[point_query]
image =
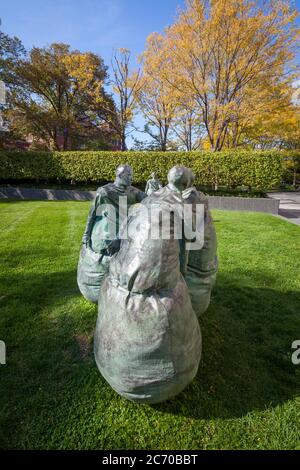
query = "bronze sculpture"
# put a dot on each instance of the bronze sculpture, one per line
(102, 228)
(147, 340)
(153, 184)
(198, 266)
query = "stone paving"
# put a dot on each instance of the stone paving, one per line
(289, 206)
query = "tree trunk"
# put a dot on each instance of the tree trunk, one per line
(66, 138)
(123, 143)
(56, 144)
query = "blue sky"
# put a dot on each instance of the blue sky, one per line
(89, 25)
(99, 26)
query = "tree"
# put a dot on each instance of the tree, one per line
(219, 50)
(11, 50)
(187, 127)
(61, 89)
(145, 145)
(125, 85)
(268, 119)
(156, 98)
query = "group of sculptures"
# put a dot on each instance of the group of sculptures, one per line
(150, 290)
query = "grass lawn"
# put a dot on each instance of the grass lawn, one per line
(247, 392)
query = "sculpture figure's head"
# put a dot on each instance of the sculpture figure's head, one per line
(180, 178)
(124, 176)
(153, 175)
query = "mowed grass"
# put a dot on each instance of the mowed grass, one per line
(247, 391)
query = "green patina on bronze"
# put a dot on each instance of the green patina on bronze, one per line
(202, 269)
(101, 231)
(202, 265)
(153, 184)
(147, 340)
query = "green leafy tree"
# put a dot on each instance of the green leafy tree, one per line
(11, 51)
(61, 97)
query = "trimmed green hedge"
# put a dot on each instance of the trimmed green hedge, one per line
(257, 170)
(291, 174)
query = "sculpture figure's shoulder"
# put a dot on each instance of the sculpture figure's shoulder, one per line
(106, 190)
(133, 189)
(203, 199)
(102, 189)
(202, 196)
(137, 193)
(161, 191)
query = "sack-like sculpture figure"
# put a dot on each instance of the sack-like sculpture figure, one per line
(198, 266)
(202, 265)
(147, 341)
(202, 269)
(101, 230)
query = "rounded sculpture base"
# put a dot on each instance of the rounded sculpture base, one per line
(200, 287)
(147, 347)
(92, 268)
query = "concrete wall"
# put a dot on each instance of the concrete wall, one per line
(253, 204)
(46, 194)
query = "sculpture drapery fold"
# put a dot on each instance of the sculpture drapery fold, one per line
(152, 278)
(102, 229)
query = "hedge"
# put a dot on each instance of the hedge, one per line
(257, 169)
(292, 168)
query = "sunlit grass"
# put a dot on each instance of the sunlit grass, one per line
(247, 392)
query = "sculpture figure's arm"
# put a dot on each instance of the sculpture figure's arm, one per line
(206, 262)
(147, 187)
(140, 195)
(91, 220)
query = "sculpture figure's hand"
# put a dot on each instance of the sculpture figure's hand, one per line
(188, 191)
(113, 247)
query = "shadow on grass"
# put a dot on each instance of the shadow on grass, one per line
(246, 362)
(47, 328)
(246, 358)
